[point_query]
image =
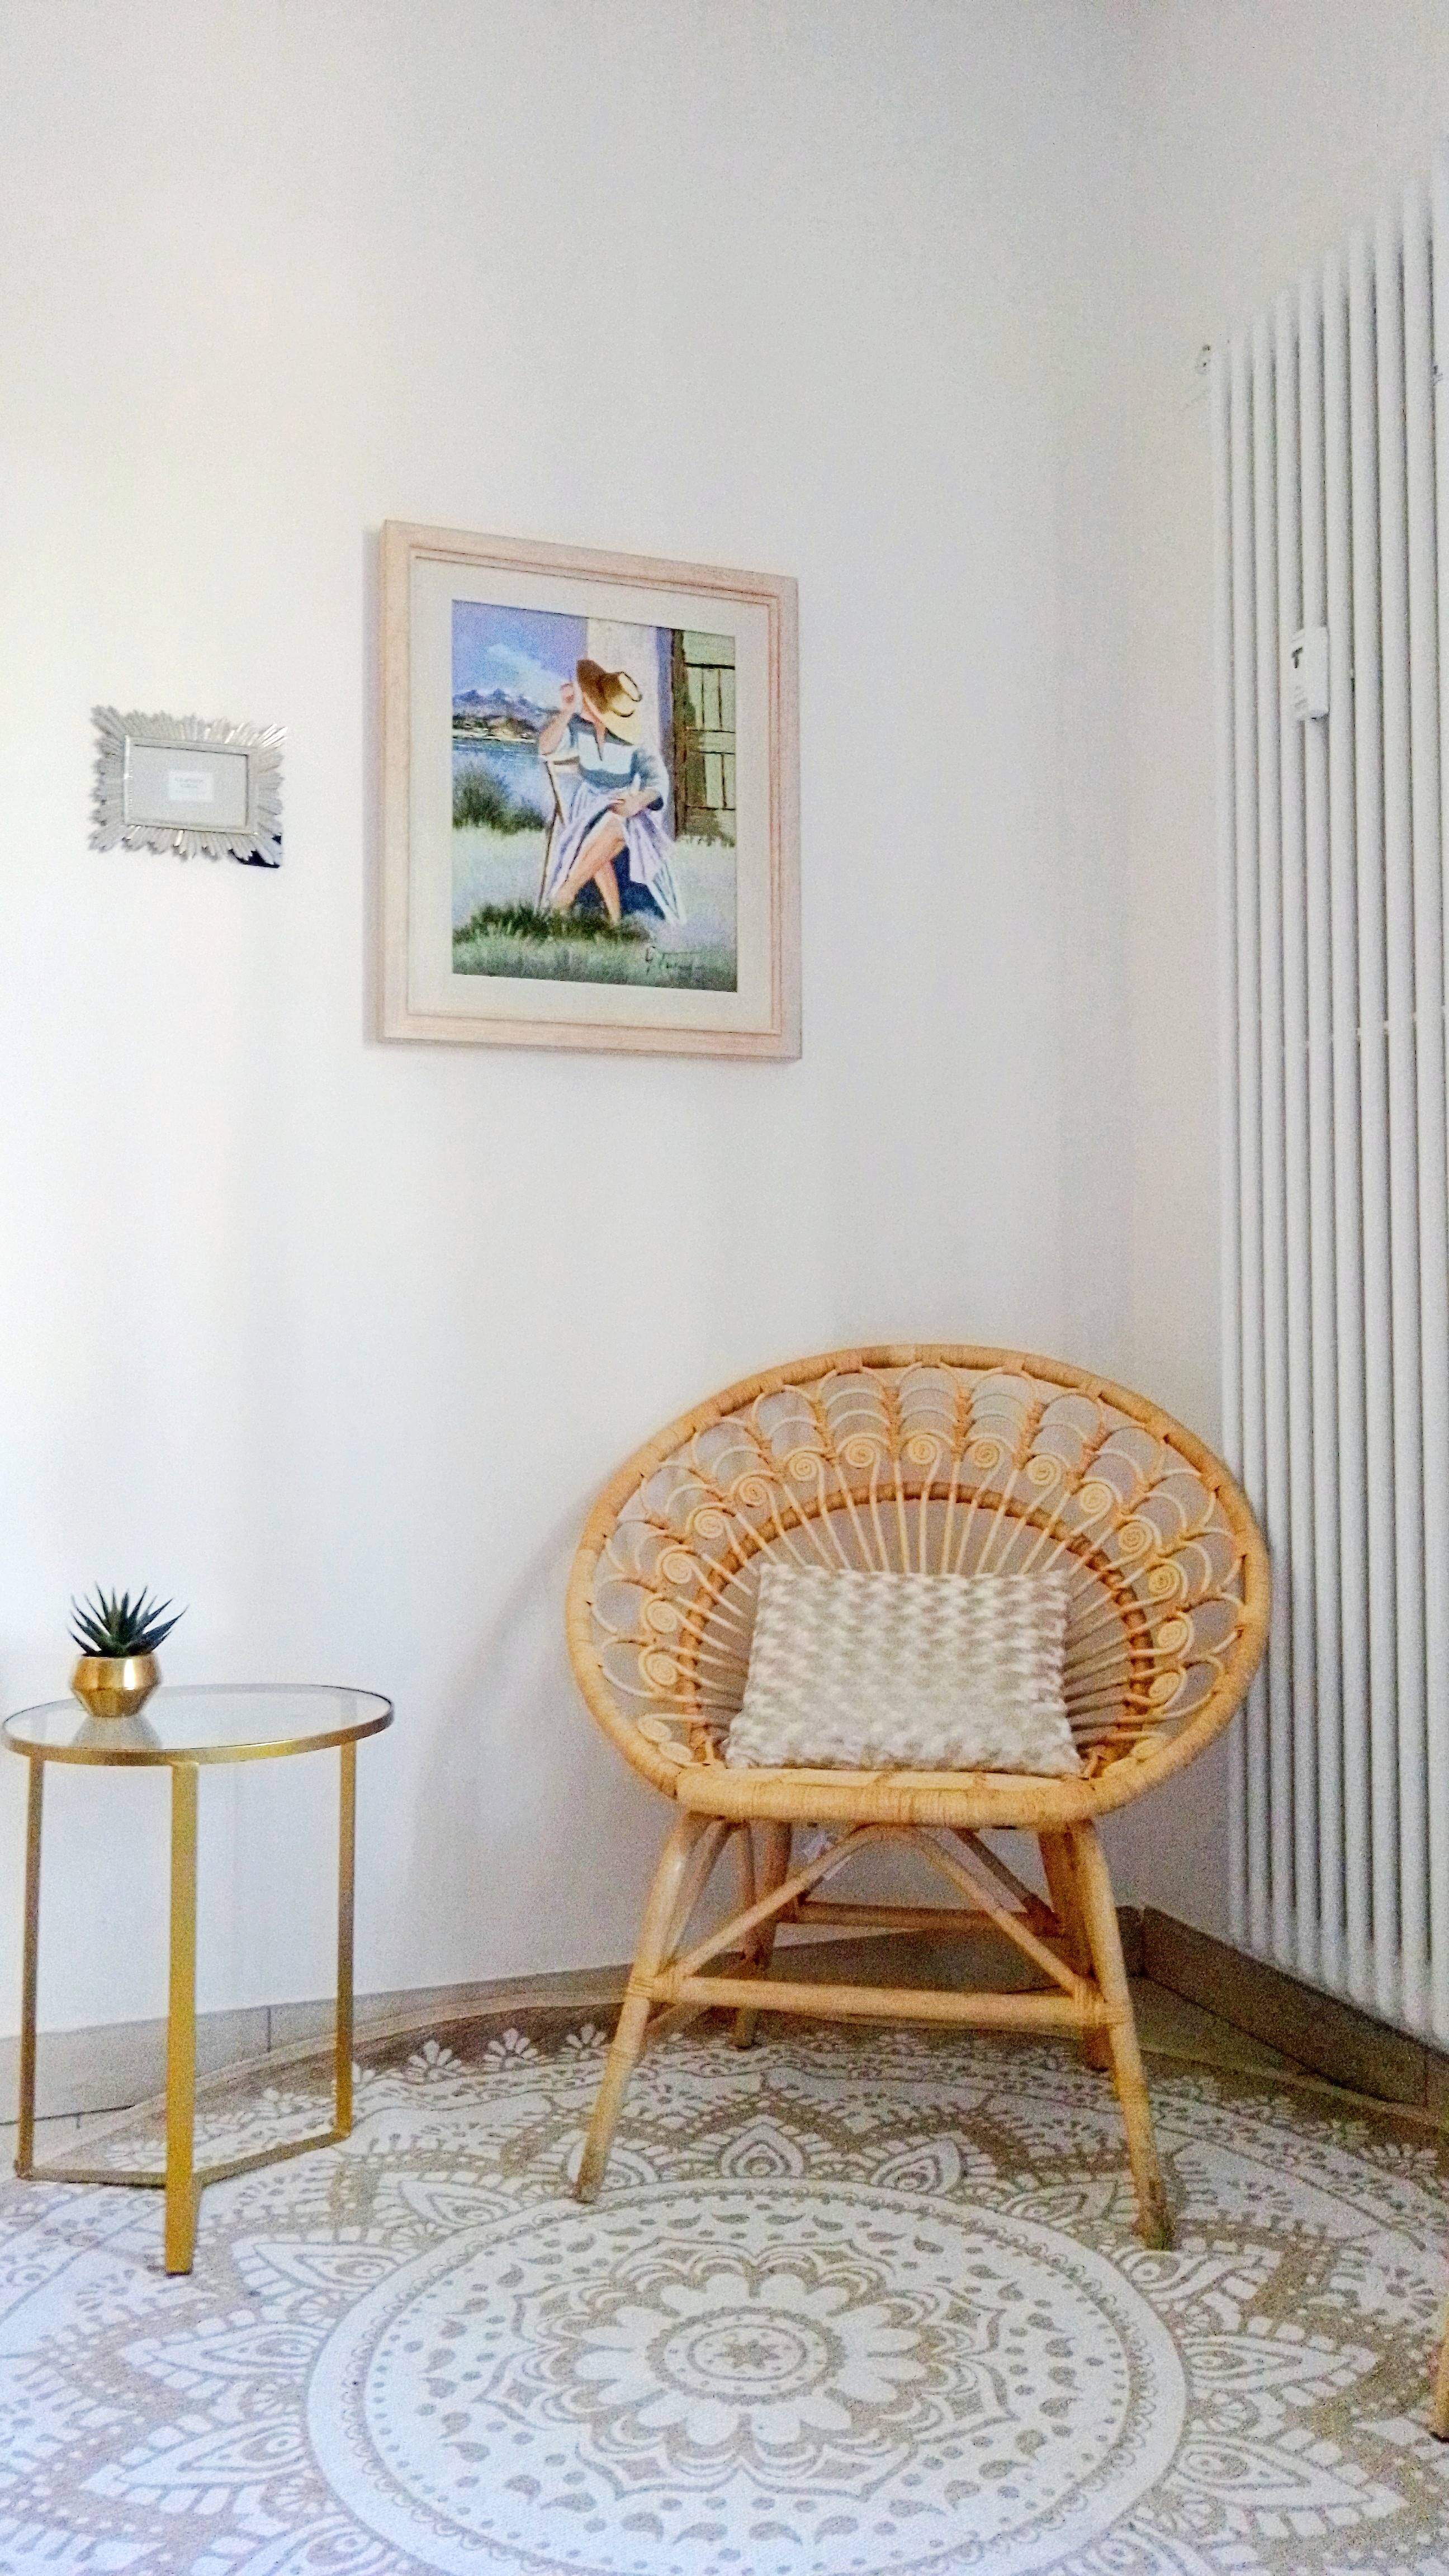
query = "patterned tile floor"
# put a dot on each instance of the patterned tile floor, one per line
(851, 2304)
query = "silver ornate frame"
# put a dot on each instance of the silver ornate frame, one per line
(257, 842)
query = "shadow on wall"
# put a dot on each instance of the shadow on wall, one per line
(520, 1769)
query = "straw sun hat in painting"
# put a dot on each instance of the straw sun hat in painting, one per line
(612, 698)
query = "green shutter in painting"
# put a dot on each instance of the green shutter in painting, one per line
(702, 690)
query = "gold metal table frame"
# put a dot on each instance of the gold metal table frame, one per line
(135, 1743)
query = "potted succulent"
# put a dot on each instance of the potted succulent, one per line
(118, 1638)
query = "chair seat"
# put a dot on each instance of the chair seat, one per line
(971, 1798)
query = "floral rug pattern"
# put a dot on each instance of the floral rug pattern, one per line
(849, 2305)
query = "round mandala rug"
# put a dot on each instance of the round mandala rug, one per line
(849, 2305)
(644, 2385)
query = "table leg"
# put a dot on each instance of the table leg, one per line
(181, 2027)
(25, 2129)
(346, 1881)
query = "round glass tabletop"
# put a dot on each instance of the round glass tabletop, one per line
(223, 1722)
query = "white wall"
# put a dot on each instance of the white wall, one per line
(904, 301)
(1259, 133)
(333, 1339)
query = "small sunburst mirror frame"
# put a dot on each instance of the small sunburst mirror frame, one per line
(194, 785)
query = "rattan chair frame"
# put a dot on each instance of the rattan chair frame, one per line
(912, 1451)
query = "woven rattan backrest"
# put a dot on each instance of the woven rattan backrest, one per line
(934, 1459)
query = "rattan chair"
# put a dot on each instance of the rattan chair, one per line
(926, 1458)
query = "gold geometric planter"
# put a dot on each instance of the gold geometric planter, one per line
(114, 1685)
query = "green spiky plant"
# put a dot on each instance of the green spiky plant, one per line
(117, 1626)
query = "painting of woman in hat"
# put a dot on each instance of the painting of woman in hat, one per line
(613, 835)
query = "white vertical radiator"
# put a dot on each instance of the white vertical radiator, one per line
(1330, 420)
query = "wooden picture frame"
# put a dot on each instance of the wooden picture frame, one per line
(590, 799)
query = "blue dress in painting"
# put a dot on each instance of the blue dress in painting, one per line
(647, 882)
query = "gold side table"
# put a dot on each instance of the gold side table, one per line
(179, 1731)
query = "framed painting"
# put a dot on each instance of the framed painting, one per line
(590, 799)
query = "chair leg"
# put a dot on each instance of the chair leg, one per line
(654, 1936)
(774, 1868)
(1094, 1886)
(1061, 1879)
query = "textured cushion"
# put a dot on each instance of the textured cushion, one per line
(916, 1672)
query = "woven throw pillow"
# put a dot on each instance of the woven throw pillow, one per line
(906, 1672)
